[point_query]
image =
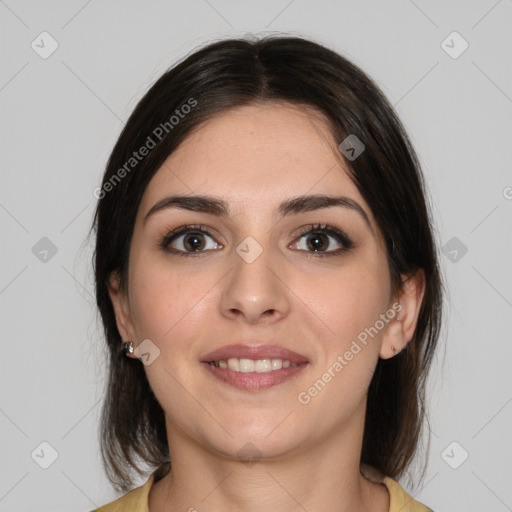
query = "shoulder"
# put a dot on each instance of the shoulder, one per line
(137, 500)
(134, 501)
(400, 500)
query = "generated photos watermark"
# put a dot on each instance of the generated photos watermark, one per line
(304, 397)
(157, 135)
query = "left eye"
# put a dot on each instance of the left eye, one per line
(323, 240)
(192, 241)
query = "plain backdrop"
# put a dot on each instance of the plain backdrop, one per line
(72, 71)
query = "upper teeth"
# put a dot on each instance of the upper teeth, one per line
(251, 365)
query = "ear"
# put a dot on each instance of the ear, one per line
(121, 307)
(400, 330)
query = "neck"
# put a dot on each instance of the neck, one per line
(323, 476)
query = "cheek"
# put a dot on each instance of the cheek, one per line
(348, 299)
(350, 304)
(169, 307)
(165, 300)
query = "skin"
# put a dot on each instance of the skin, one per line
(254, 157)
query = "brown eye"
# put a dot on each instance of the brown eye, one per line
(189, 240)
(323, 240)
(318, 242)
(194, 242)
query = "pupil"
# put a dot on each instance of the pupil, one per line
(193, 242)
(316, 242)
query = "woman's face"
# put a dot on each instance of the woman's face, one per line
(251, 276)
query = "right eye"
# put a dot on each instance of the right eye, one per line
(187, 240)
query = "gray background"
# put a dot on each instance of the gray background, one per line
(59, 118)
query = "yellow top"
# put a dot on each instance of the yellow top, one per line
(137, 499)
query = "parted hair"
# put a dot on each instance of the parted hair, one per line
(224, 75)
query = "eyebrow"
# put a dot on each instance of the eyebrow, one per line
(293, 206)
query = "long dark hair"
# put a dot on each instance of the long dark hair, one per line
(224, 75)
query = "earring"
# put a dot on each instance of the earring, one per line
(128, 347)
(398, 316)
(395, 351)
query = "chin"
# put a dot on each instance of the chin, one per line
(254, 436)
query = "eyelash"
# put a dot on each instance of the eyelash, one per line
(325, 229)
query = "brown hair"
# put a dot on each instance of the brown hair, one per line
(225, 75)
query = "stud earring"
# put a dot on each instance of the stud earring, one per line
(128, 347)
(395, 351)
(398, 316)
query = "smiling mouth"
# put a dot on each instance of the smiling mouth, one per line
(244, 365)
(253, 374)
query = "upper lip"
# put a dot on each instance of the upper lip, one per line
(254, 352)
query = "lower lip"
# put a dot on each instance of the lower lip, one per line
(254, 381)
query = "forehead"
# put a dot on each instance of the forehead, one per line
(254, 156)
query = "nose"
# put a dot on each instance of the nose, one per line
(253, 291)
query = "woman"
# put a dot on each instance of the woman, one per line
(269, 287)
